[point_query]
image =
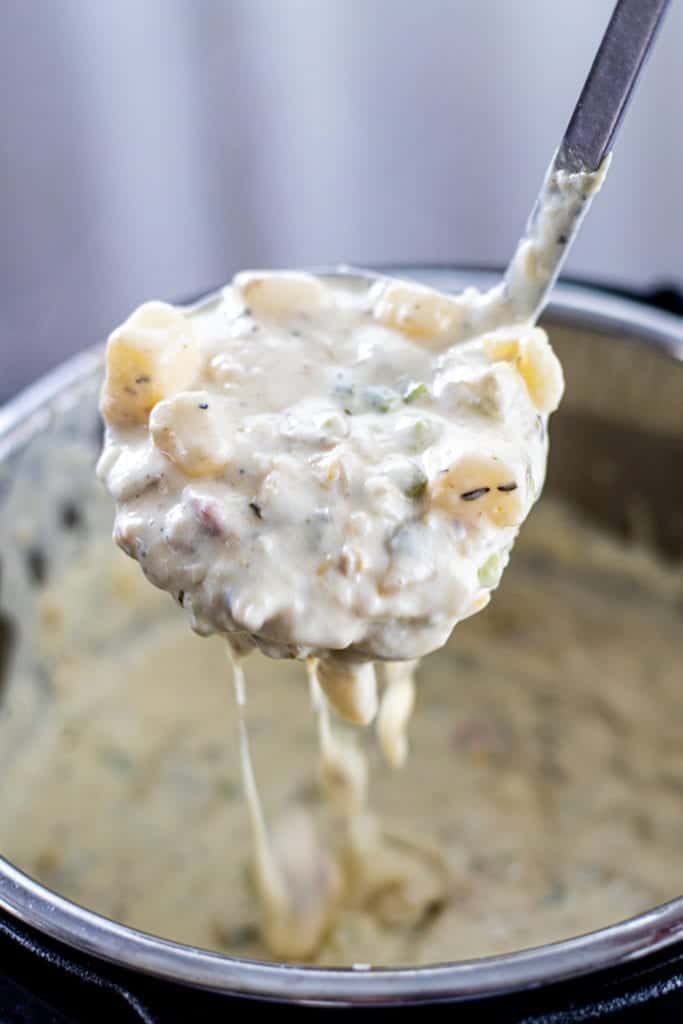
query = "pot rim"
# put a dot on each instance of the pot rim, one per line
(37, 906)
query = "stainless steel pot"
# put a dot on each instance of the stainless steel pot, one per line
(623, 400)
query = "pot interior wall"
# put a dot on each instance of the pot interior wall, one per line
(616, 452)
(617, 441)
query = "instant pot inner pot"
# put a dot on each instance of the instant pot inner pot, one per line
(545, 750)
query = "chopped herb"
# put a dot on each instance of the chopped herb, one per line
(70, 516)
(412, 390)
(228, 789)
(423, 435)
(203, 405)
(417, 485)
(240, 935)
(557, 893)
(491, 571)
(381, 399)
(348, 412)
(118, 760)
(506, 488)
(256, 509)
(478, 492)
(36, 563)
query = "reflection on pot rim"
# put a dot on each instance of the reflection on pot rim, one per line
(35, 905)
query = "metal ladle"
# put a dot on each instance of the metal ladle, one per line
(572, 179)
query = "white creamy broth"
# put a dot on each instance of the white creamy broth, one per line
(317, 470)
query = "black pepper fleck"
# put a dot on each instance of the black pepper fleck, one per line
(36, 564)
(478, 492)
(203, 405)
(561, 239)
(506, 488)
(145, 379)
(8, 638)
(181, 597)
(70, 516)
(256, 509)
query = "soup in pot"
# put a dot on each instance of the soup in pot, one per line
(541, 800)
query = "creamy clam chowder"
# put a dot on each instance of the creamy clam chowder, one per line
(332, 472)
(313, 470)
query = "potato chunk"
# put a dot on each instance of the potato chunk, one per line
(350, 687)
(189, 430)
(537, 364)
(419, 312)
(282, 294)
(149, 357)
(481, 486)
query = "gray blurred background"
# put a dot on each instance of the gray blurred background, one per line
(150, 148)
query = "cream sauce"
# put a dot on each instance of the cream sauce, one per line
(312, 475)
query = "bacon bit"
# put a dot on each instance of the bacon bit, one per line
(36, 564)
(208, 513)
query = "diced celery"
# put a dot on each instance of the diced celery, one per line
(412, 390)
(491, 571)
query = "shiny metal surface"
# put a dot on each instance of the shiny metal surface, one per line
(590, 135)
(604, 98)
(32, 903)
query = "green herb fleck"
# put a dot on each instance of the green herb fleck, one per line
(412, 390)
(423, 435)
(417, 485)
(557, 893)
(491, 571)
(118, 760)
(228, 789)
(381, 399)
